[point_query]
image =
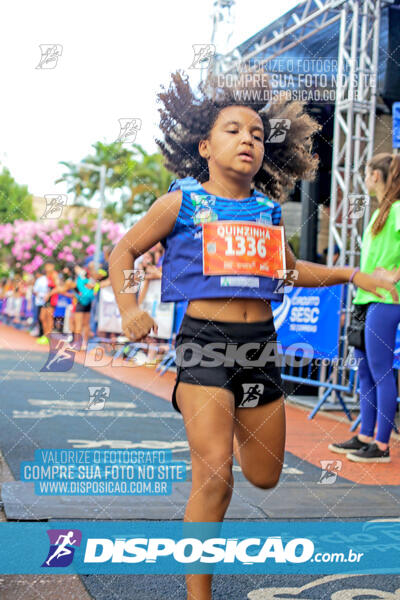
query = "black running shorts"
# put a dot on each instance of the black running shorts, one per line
(83, 308)
(240, 357)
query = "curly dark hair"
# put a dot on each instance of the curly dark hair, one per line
(187, 119)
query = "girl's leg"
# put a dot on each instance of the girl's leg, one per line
(208, 414)
(47, 320)
(260, 442)
(71, 323)
(368, 400)
(85, 328)
(42, 319)
(51, 319)
(380, 336)
(78, 319)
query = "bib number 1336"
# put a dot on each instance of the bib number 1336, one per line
(241, 247)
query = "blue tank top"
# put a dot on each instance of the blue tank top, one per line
(182, 269)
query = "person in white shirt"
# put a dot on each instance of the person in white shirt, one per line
(39, 292)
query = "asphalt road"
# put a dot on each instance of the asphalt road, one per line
(50, 410)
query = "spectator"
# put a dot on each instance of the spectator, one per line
(151, 264)
(65, 297)
(46, 314)
(85, 286)
(102, 278)
(39, 293)
(380, 255)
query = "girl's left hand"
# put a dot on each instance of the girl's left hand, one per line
(371, 283)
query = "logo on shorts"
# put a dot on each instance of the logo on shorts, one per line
(252, 393)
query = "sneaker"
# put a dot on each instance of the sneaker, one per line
(42, 340)
(153, 362)
(370, 454)
(140, 358)
(349, 446)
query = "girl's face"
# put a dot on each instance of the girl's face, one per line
(236, 142)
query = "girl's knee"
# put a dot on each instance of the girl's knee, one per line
(266, 484)
(264, 481)
(213, 477)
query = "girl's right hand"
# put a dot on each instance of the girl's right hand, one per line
(137, 323)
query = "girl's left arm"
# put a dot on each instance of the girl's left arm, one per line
(302, 273)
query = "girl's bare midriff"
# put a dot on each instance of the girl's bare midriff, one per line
(240, 310)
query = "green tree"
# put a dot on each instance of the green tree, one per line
(148, 180)
(15, 200)
(85, 183)
(140, 178)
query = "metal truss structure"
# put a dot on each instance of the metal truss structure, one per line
(353, 141)
(292, 31)
(355, 108)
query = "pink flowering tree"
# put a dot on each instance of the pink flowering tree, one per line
(26, 245)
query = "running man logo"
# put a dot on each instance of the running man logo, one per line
(330, 470)
(50, 54)
(252, 393)
(202, 54)
(286, 277)
(128, 130)
(279, 129)
(133, 279)
(61, 353)
(97, 397)
(62, 547)
(54, 206)
(357, 205)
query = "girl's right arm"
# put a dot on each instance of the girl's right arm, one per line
(156, 224)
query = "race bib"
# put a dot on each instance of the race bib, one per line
(243, 247)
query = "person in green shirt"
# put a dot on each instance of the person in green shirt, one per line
(380, 254)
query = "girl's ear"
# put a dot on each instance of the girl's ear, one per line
(377, 175)
(203, 149)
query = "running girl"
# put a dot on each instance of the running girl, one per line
(219, 143)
